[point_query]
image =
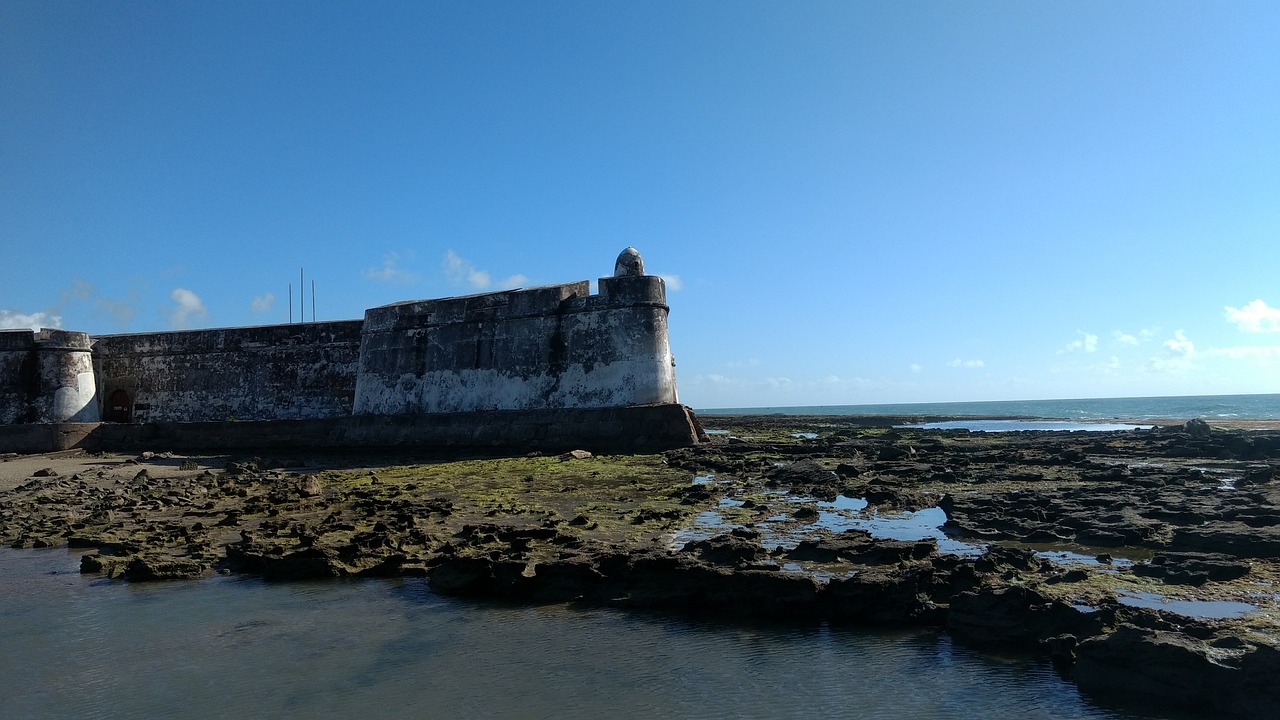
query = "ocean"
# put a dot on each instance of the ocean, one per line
(1205, 407)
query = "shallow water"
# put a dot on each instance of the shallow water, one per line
(1189, 608)
(845, 513)
(1021, 425)
(75, 647)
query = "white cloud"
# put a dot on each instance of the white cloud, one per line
(513, 282)
(1256, 317)
(189, 305)
(390, 271)
(1179, 355)
(14, 320)
(461, 271)
(916, 367)
(674, 283)
(1088, 342)
(966, 363)
(1180, 345)
(750, 362)
(1125, 338)
(263, 303)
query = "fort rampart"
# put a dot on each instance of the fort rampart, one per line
(489, 370)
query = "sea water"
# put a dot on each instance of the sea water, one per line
(73, 646)
(1206, 407)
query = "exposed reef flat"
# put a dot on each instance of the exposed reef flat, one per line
(1144, 563)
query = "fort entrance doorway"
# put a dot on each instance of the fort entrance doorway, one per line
(120, 407)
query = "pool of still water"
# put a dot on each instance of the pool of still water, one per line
(233, 647)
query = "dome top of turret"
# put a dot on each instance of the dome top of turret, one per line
(629, 263)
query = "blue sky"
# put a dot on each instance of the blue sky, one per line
(852, 202)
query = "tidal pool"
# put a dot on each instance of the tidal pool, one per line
(1205, 609)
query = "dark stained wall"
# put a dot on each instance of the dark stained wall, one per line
(273, 372)
(19, 377)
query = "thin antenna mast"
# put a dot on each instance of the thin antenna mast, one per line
(302, 303)
(290, 303)
(313, 300)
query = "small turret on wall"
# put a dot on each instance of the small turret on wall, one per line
(69, 392)
(47, 377)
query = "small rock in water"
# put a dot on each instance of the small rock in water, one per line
(45, 472)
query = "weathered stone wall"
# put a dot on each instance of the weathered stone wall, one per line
(67, 388)
(46, 377)
(274, 372)
(547, 347)
(630, 429)
(19, 377)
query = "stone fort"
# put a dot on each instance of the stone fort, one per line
(542, 368)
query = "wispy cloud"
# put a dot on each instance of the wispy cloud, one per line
(1180, 345)
(1178, 356)
(1256, 317)
(1087, 342)
(188, 306)
(674, 283)
(263, 303)
(16, 319)
(1132, 339)
(390, 271)
(959, 363)
(462, 271)
(1125, 338)
(917, 367)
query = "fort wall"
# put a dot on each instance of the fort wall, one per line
(534, 367)
(548, 347)
(272, 372)
(19, 377)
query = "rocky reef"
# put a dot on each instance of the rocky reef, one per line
(1143, 563)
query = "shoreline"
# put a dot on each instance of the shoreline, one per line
(1044, 542)
(889, 420)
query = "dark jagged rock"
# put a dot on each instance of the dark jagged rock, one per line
(1186, 568)
(886, 598)
(857, 546)
(1015, 616)
(806, 477)
(1167, 669)
(732, 549)
(1229, 538)
(149, 568)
